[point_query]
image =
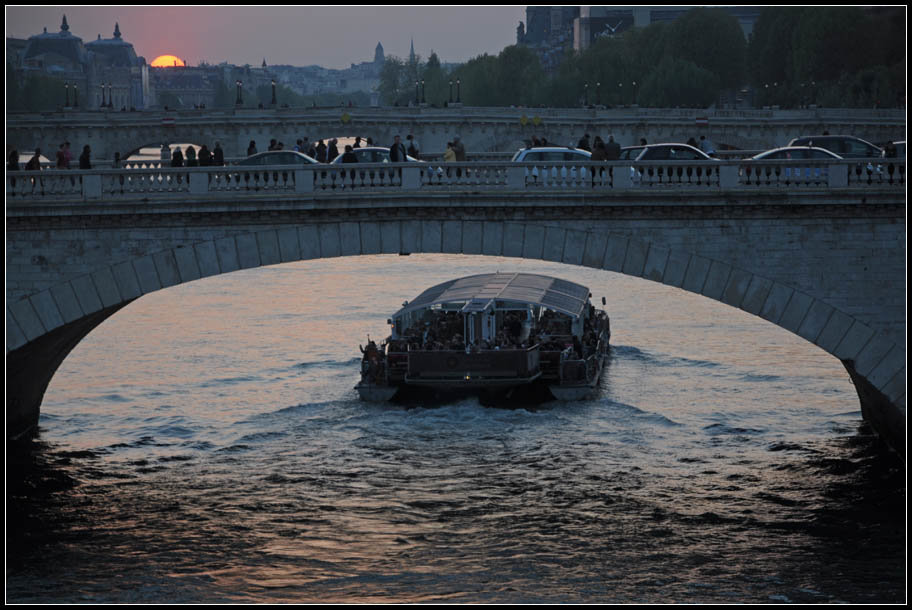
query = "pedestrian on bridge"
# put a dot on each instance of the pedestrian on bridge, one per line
(251, 148)
(191, 157)
(85, 160)
(218, 155)
(612, 149)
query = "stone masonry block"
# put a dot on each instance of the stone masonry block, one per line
(268, 246)
(67, 302)
(15, 338)
(493, 238)
(390, 237)
(127, 282)
(46, 308)
(654, 269)
(676, 269)
(247, 250)
(431, 236)
(833, 331)
(795, 312)
(615, 253)
(594, 252)
(533, 242)
(186, 263)
(350, 235)
(87, 294)
(892, 363)
(289, 248)
(472, 232)
(635, 261)
(309, 241)
(514, 236)
(410, 234)
(853, 341)
(574, 244)
(207, 258)
(815, 320)
(226, 250)
(107, 287)
(697, 271)
(451, 238)
(736, 287)
(329, 240)
(26, 319)
(553, 247)
(776, 300)
(716, 280)
(370, 238)
(757, 293)
(872, 354)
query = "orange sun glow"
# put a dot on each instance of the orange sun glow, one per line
(167, 61)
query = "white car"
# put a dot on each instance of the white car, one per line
(799, 154)
(558, 158)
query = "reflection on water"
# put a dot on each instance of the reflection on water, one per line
(205, 444)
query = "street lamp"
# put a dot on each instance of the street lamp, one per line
(451, 91)
(417, 99)
(110, 96)
(103, 104)
(422, 91)
(585, 94)
(66, 88)
(75, 95)
(238, 101)
(457, 91)
(621, 93)
(598, 94)
(634, 92)
(273, 93)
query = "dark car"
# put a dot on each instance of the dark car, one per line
(847, 147)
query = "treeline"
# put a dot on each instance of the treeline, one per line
(829, 56)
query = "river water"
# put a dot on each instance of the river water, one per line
(205, 444)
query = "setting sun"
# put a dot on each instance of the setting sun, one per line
(167, 61)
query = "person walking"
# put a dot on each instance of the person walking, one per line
(397, 151)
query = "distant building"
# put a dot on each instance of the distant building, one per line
(549, 32)
(104, 72)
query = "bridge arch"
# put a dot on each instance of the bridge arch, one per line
(44, 327)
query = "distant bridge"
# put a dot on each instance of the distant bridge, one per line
(481, 129)
(819, 251)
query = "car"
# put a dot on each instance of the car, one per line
(279, 157)
(629, 153)
(847, 147)
(373, 154)
(798, 170)
(672, 152)
(554, 156)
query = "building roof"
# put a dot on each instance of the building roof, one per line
(115, 51)
(477, 291)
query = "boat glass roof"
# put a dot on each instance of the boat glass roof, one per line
(557, 294)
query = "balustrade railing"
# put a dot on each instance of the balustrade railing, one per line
(702, 176)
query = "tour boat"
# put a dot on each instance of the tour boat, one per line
(493, 334)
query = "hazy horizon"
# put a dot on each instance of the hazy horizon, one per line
(329, 36)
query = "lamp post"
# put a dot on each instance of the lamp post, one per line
(451, 91)
(110, 96)
(598, 94)
(238, 101)
(273, 93)
(103, 104)
(422, 92)
(457, 91)
(75, 95)
(621, 93)
(634, 92)
(417, 99)
(585, 94)
(66, 88)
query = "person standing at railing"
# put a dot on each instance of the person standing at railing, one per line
(459, 149)
(85, 159)
(191, 157)
(218, 155)
(34, 164)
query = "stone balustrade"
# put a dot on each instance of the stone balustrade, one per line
(752, 175)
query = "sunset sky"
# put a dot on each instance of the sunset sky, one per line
(329, 36)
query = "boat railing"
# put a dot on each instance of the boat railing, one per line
(522, 362)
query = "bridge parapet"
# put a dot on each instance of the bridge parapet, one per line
(756, 176)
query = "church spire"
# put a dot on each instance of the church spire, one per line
(412, 52)
(117, 31)
(63, 26)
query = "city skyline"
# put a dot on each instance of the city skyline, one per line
(298, 36)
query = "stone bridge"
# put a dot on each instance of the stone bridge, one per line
(481, 129)
(820, 253)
